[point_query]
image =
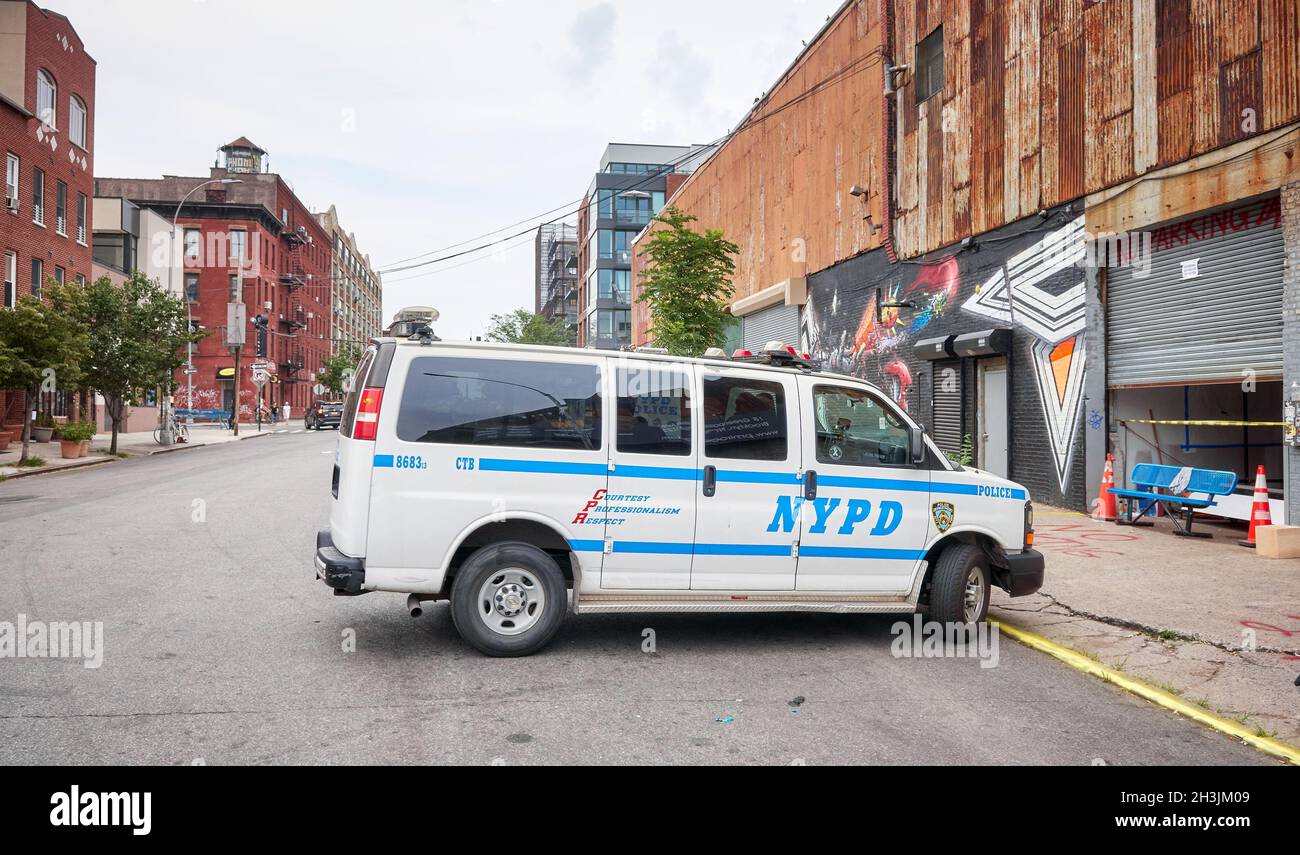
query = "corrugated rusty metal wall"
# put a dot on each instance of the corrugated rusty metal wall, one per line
(1043, 102)
(780, 189)
(1047, 100)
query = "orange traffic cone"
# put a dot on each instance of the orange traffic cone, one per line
(1106, 509)
(1259, 513)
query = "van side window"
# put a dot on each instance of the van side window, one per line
(354, 393)
(465, 401)
(854, 429)
(654, 410)
(744, 419)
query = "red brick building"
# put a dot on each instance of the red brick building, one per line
(255, 239)
(47, 125)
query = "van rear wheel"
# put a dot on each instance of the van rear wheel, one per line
(959, 588)
(508, 599)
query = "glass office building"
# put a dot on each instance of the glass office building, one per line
(631, 187)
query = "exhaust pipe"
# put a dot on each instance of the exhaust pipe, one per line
(413, 605)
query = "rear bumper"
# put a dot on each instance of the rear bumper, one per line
(1023, 573)
(343, 573)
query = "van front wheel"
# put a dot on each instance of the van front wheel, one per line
(959, 588)
(508, 599)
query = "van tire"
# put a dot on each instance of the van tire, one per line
(510, 566)
(959, 565)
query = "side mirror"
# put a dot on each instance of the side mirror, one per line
(918, 445)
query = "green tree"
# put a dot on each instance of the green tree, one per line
(687, 284)
(136, 333)
(43, 344)
(524, 327)
(335, 371)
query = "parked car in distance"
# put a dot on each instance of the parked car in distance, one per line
(323, 414)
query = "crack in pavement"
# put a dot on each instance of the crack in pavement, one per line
(1124, 623)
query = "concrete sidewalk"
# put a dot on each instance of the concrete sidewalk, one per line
(139, 444)
(1205, 619)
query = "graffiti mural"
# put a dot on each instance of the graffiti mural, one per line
(881, 334)
(1014, 296)
(1027, 277)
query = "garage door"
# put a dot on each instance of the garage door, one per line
(779, 322)
(1211, 307)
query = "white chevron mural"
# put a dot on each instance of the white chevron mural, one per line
(1013, 296)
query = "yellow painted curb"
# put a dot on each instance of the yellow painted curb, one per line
(1077, 660)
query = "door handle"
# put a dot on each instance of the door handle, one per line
(810, 485)
(710, 480)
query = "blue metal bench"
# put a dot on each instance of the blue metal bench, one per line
(1182, 482)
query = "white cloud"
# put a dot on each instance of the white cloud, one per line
(427, 123)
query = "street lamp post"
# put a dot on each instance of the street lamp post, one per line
(166, 432)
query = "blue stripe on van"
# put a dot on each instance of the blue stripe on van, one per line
(746, 477)
(860, 552)
(974, 489)
(666, 473)
(686, 473)
(643, 547)
(777, 550)
(651, 547)
(900, 485)
(544, 467)
(383, 461)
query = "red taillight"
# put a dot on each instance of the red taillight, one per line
(367, 422)
(739, 353)
(807, 357)
(789, 348)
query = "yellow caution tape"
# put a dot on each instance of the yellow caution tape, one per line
(1078, 661)
(1200, 423)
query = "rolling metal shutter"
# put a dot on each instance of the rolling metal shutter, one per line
(945, 402)
(1169, 330)
(779, 322)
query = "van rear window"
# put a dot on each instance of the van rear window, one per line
(498, 402)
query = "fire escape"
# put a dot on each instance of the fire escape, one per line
(293, 276)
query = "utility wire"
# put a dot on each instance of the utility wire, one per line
(868, 60)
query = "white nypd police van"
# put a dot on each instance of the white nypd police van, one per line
(520, 481)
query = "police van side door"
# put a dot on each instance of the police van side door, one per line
(649, 509)
(867, 514)
(747, 518)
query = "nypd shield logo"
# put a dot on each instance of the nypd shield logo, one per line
(944, 514)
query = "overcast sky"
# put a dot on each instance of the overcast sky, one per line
(428, 123)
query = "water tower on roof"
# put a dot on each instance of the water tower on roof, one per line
(242, 156)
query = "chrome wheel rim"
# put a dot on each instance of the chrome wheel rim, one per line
(975, 593)
(511, 601)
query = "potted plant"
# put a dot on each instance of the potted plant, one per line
(5, 436)
(73, 438)
(43, 428)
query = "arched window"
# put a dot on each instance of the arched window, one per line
(77, 121)
(46, 92)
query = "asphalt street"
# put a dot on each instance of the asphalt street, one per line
(220, 647)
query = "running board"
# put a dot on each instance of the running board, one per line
(607, 602)
(699, 603)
